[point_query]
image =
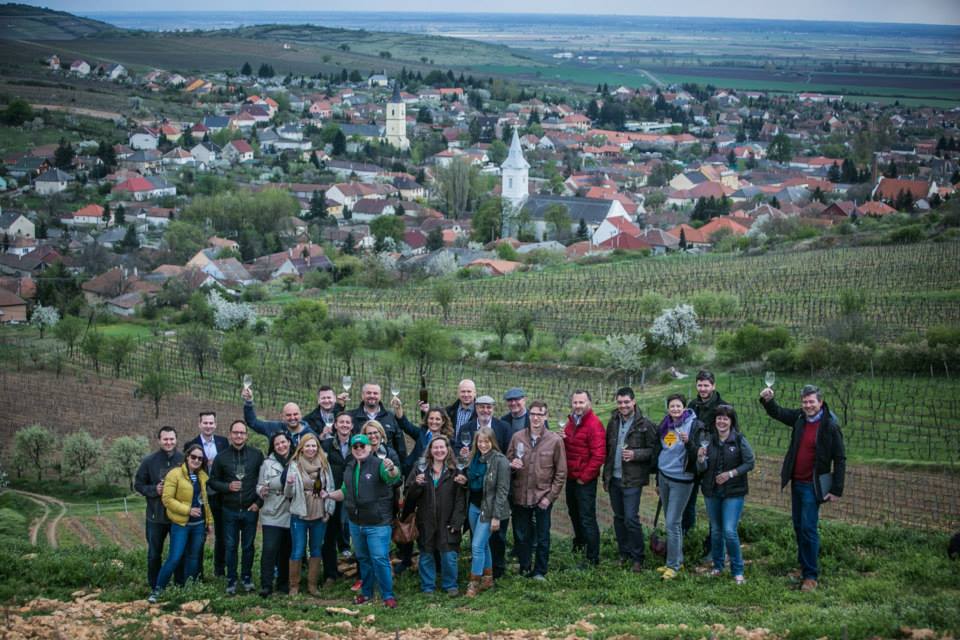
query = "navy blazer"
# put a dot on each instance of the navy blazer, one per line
(220, 442)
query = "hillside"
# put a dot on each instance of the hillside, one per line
(23, 22)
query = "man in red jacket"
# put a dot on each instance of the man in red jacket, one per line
(585, 446)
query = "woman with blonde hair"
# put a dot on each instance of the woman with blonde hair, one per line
(309, 478)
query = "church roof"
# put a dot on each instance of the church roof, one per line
(515, 159)
(396, 93)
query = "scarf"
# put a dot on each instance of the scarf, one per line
(312, 472)
(668, 423)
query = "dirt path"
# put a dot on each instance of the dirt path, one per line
(49, 504)
(80, 111)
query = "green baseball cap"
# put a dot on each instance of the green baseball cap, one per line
(359, 438)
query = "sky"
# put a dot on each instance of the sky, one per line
(912, 11)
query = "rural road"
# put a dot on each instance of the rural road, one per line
(48, 505)
(652, 77)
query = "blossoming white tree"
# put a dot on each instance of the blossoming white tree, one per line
(231, 315)
(44, 317)
(675, 328)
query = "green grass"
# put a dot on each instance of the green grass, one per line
(874, 580)
(127, 329)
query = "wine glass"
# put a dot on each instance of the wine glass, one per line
(520, 450)
(347, 382)
(769, 378)
(241, 474)
(247, 381)
(395, 390)
(465, 441)
(421, 465)
(461, 463)
(382, 452)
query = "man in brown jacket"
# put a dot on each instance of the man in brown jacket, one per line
(539, 467)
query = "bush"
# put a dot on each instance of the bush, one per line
(945, 335)
(254, 293)
(750, 342)
(317, 280)
(505, 251)
(906, 235)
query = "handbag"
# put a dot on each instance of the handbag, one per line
(658, 541)
(405, 529)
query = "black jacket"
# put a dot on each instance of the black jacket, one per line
(441, 510)
(153, 469)
(337, 461)
(393, 427)
(369, 503)
(501, 430)
(315, 418)
(225, 469)
(452, 413)
(706, 409)
(830, 454)
(735, 453)
(643, 439)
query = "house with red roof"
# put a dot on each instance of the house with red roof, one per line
(13, 308)
(626, 242)
(874, 208)
(736, 226)
(495, 267)
(889, 189)
(140, 188)
(92, 214)
(693, 237)
(614, 226)
(238, 151)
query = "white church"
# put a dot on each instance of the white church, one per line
(515, 190)
(396, 130)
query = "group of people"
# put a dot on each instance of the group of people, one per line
(342, 483)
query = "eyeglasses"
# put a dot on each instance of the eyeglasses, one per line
(537, 415)
(198, 458)
(359, 446)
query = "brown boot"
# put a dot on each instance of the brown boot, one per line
(486, 581)
(474, 587)
(295, 577)
(313, 575)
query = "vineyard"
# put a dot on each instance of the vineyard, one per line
(907, 289)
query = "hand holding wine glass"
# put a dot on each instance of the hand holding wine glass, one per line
(347, 382)
(769, 378)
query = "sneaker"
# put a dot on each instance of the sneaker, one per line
(356, 586)
(669, 574)
(231, 589)
(716, 572)
(248, 586)
(360, 599)
(453, 592)
(390, 603)
(662, 569)
(739, 579)
(153, 597)
(808, 585)
(539, 577)
(637, 567)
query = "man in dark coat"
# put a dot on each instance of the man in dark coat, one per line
(815, 466)
(213, 445)
(149, 483)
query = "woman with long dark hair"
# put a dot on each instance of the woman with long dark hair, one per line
(275, 517)
(440, 502)
(724, 464)
(488, 483)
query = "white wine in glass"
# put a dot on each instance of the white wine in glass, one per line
(347, 382)
(395, 390)
(247, 381)
(520, 450)
(769, 378)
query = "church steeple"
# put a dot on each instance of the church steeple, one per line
(396, 93)
(514, 173)
(396, 129)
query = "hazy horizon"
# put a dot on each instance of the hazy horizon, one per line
(926, 12)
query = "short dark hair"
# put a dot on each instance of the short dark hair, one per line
(325, 387)
(245, 428)
(188, 449)
(584, 392)
(728, 411)
(537, 404)
(273, 438)
(209, 413)
(810, 390)
(625, 391)
(676, 396)
(165, 427)
(706, 374)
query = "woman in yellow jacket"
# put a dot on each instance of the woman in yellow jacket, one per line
(184, 490)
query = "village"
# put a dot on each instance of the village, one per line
(442, 174)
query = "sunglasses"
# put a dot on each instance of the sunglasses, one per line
(359, 446)
(199, 458)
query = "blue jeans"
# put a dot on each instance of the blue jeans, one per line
(689, 520)
(239, 528)
(156, 533)
(299, 531)
(806, 516)
(625, 503)
(428, 571)
(186, 544)
(582, 507)
(481, 554)
(674, 496)
(372, 548)
(724, 517)
(532, 526)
